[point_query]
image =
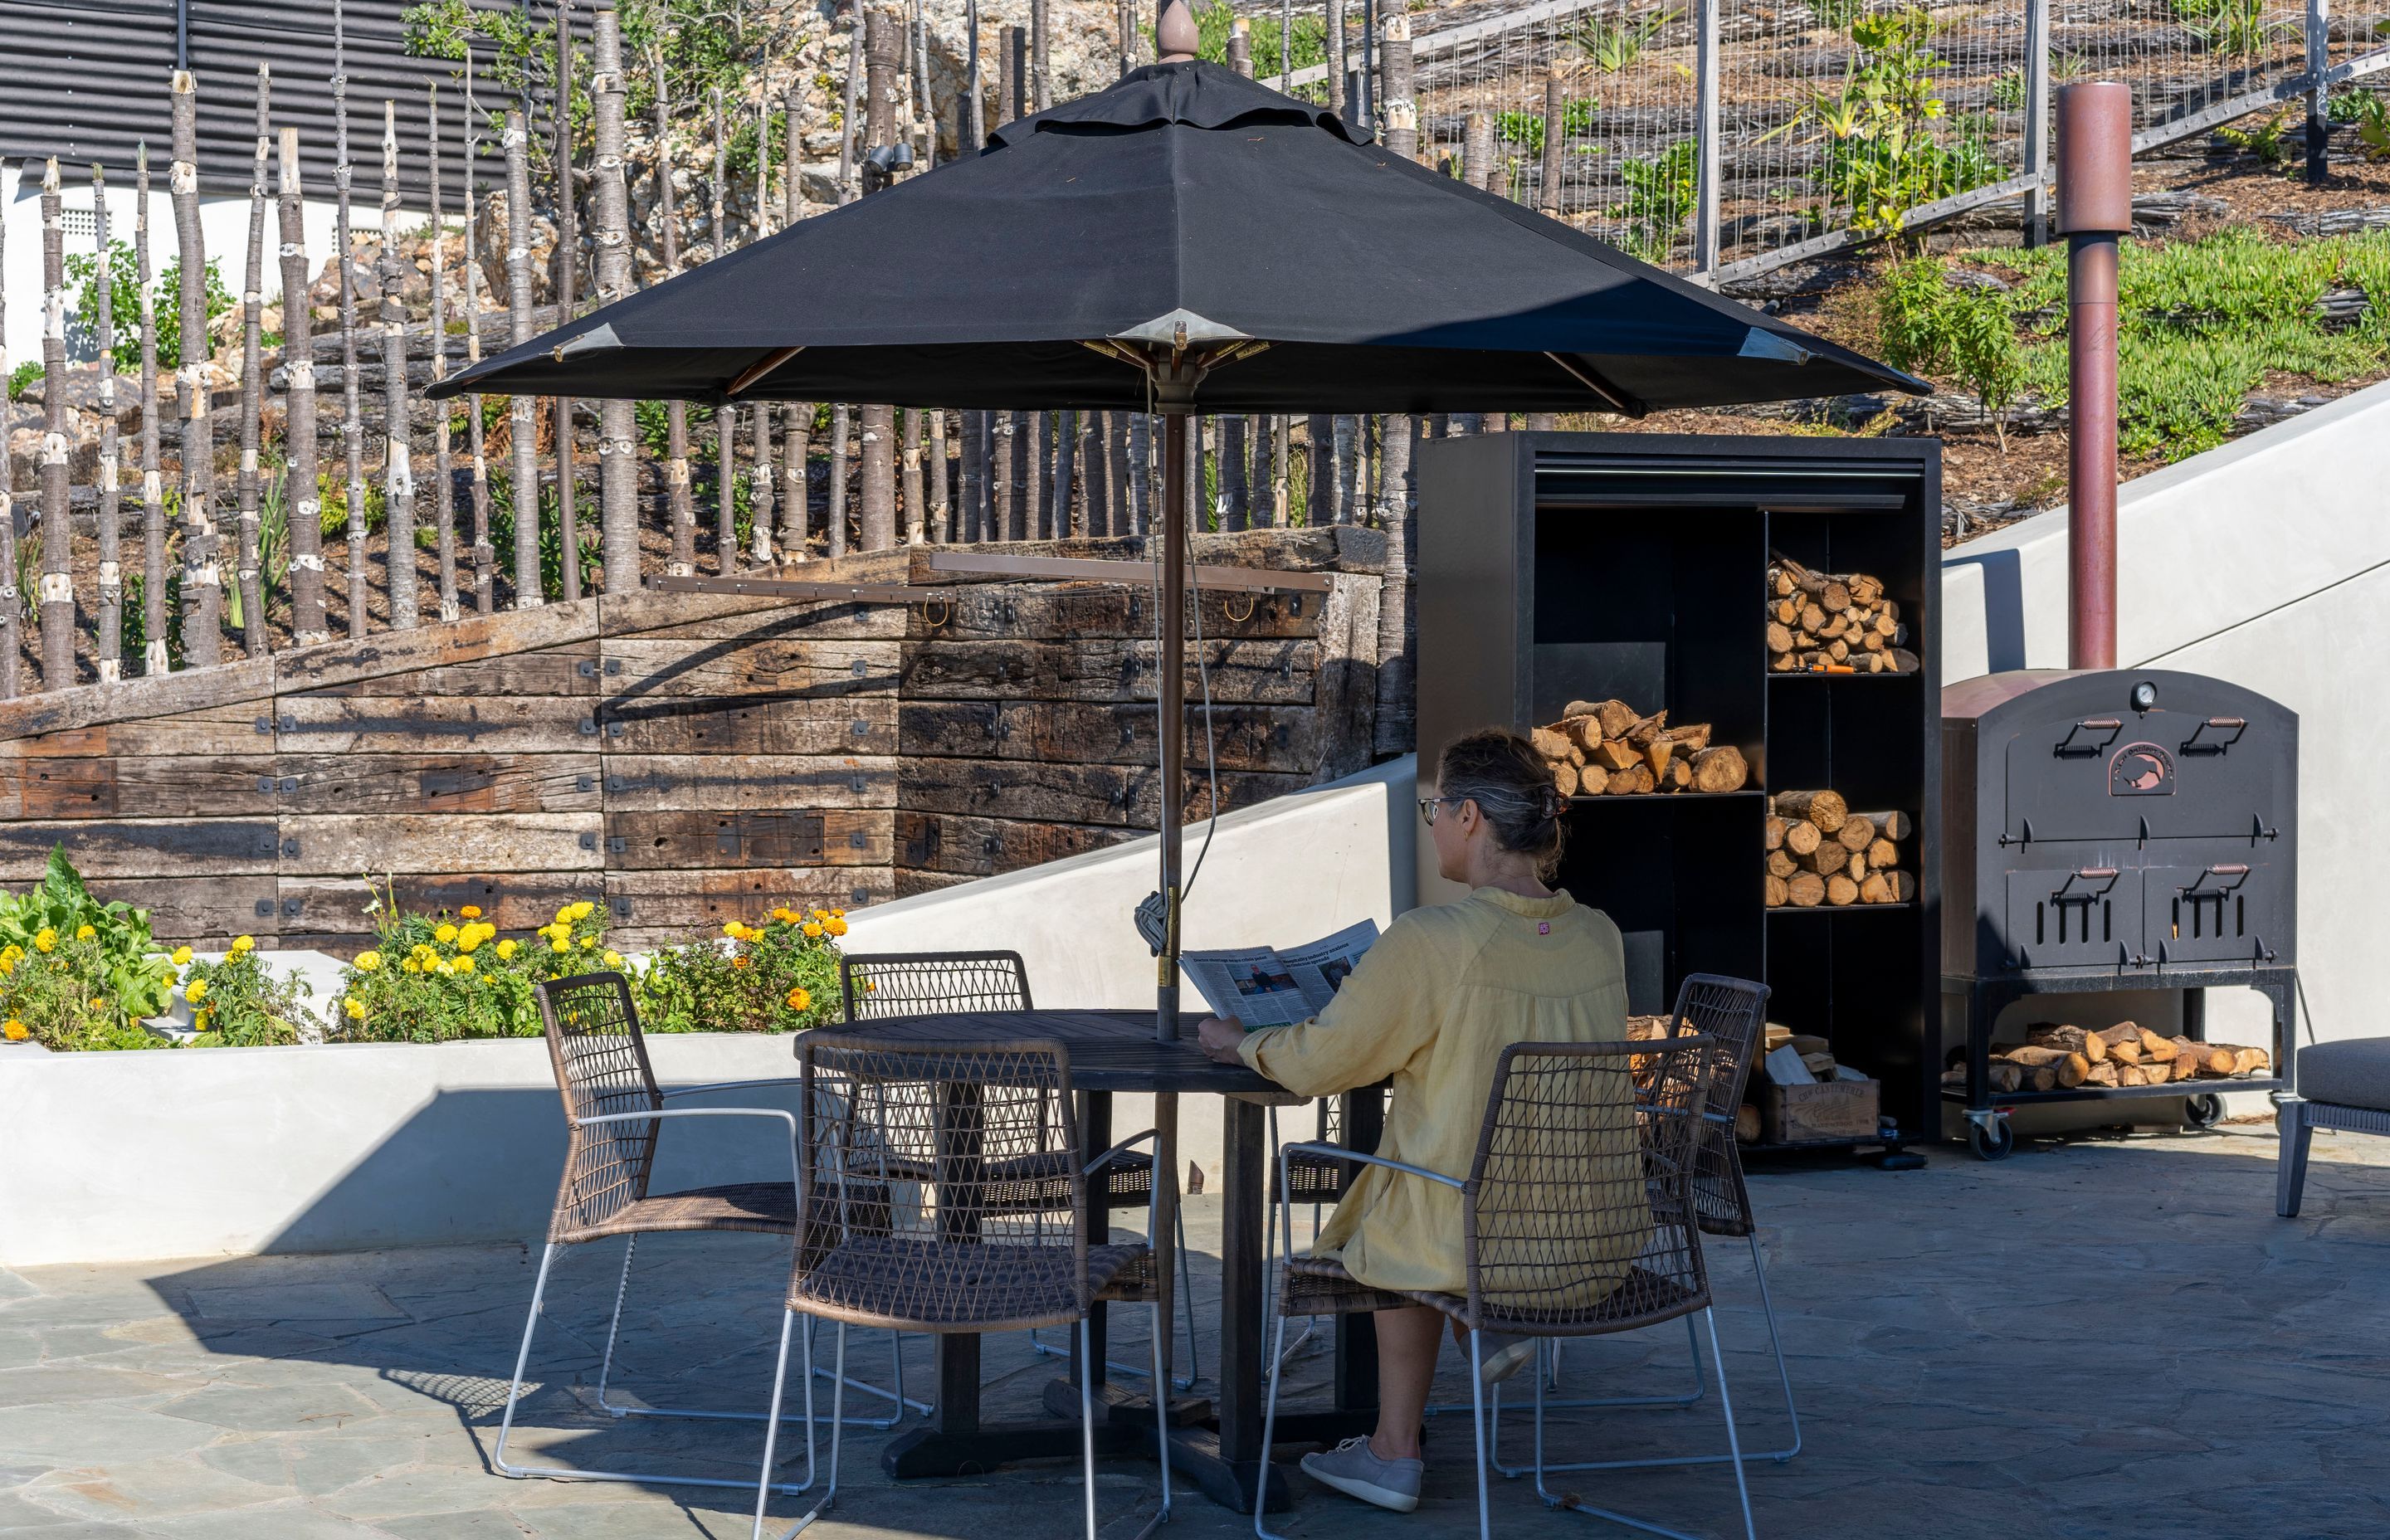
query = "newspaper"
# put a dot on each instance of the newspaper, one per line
(1263, 987)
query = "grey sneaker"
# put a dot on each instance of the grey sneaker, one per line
(1504, 1356)
(1353, 1470)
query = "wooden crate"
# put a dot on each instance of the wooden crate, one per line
(1832, 1112)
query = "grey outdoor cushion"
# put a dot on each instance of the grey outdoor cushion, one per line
(2353, 1073)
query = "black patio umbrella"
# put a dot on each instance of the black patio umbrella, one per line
(1184, 241)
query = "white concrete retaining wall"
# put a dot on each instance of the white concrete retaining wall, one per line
(2266, 562)
(109, 1157)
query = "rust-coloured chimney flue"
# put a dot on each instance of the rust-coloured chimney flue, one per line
(2095, 206)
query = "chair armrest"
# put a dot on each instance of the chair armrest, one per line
(1339, 1153)
(1122, 1147)
(671, 1091)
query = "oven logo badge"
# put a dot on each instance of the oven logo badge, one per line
(2141, 770)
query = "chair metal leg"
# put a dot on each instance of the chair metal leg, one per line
(1137, 1371)
(836, 1425)
(1477, 1426)
(1269, 1431)
(498, 1461)
(1552, 1376)
(1578, 1504)
(1783, 1379)
(902, 1403)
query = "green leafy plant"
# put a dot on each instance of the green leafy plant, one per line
(1611, 46)
(124, 302)
(1927, 326)
(1837, 13)
(2234, 28)
(778, 976)
(1882, 158)
(22, 377)
(1527, 128)
(239, 1002)
(1213, 23)
(2266, 138)
(76, 972)
(1660, 197)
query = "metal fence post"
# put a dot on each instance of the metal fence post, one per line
(2318, 109)
(2036, 121)
(1705, 138)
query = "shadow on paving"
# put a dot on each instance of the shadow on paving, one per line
(2086, 1341)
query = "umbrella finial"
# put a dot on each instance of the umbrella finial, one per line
(1176, 33)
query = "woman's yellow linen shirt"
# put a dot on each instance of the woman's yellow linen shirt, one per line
(1432, 1005)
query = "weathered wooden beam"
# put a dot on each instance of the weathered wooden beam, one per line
(1090, 570)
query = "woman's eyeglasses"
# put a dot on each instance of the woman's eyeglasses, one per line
(1429, 804)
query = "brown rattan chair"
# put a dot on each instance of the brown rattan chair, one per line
(1578, 1220)
(1734, 1012)
(954, 1249)
(613, 1111)
(875, 987)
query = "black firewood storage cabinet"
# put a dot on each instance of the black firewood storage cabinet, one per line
(1554, 567)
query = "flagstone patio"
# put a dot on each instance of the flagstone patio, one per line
(2086, 1340)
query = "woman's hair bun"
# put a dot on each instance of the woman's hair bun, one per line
(1511, 786)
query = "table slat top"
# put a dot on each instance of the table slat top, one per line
(1110, 1050)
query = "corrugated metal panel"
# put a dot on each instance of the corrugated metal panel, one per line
(87, 80)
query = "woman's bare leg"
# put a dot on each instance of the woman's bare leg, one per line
(1408, 1343)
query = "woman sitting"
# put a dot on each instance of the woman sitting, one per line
(1431, 1006)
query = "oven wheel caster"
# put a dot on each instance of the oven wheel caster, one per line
(1992, 1142)
(2202, 1112)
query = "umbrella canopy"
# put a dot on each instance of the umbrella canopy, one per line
(1184, 212)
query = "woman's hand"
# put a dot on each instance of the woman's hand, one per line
(1220, 1038)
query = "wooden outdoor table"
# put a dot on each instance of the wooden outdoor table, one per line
(1217, 1442)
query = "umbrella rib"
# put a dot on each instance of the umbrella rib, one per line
(769, 362)
(1599, 386)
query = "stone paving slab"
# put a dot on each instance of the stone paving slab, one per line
(2089, 1340)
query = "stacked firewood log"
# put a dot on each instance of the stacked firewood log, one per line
(1606, 747)
(1833, 622)
(2056, 1058)
(1819, 852)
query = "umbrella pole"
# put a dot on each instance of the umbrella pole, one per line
(1172, 696)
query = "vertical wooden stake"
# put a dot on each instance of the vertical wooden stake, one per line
(797, 416)
(202, 579)
(878, 526)
(111, 503)
(521, 430)
(398, 465)
(12, 602)
(681, 506)
(618, 472)
(352, 418)
(444, 467)
(484, 556)
(760, 485)
(248, 570)
(301, 493)
(58, 605)
(942, 513)
(154, 651)
(568, 289)
(725, 416)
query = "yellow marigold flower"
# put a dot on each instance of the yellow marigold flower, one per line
(800, 1000)
(14, 1030)
(506, 949)
(196, 991)
(471, 911)
(835, 926)
(7, 964)
(182, 957)
(45, 939)
(100, 1004)
(468, 939)
(559, 944)
(368, 962)
(445, 934)
(243, 944)
(783, 915)
(357, 1009)
(737, 962)
(734, 929)
(583, 909)
(463, 965)
(838, 914)
(868, 985)
(411, 965)
(821, 914)
(445, 969)
(613, 958)
(84, 932)
(201, 1019)
(812, 927)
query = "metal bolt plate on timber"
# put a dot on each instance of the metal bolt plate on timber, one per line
(265, 783)
(586, 668)
(264, 726)
(584, 782)
(588, 725)
(613, 729)
(857, 668)
(622, 908)
(858, 784)
(291, 908)
(290, 850)
(613, 667)
(589, 841)
(863, 730)
(266, 908)
(616, 844)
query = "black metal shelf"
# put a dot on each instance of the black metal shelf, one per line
(1558, 566)
(2125, 1093)
(1772, 675)
(1839, 910)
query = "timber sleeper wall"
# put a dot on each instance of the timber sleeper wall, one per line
(682, 759)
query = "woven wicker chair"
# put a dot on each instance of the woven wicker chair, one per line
(875, 987)
(1578, 1220)
(956, 1250)
(614, 1111)
(1733, 1012)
